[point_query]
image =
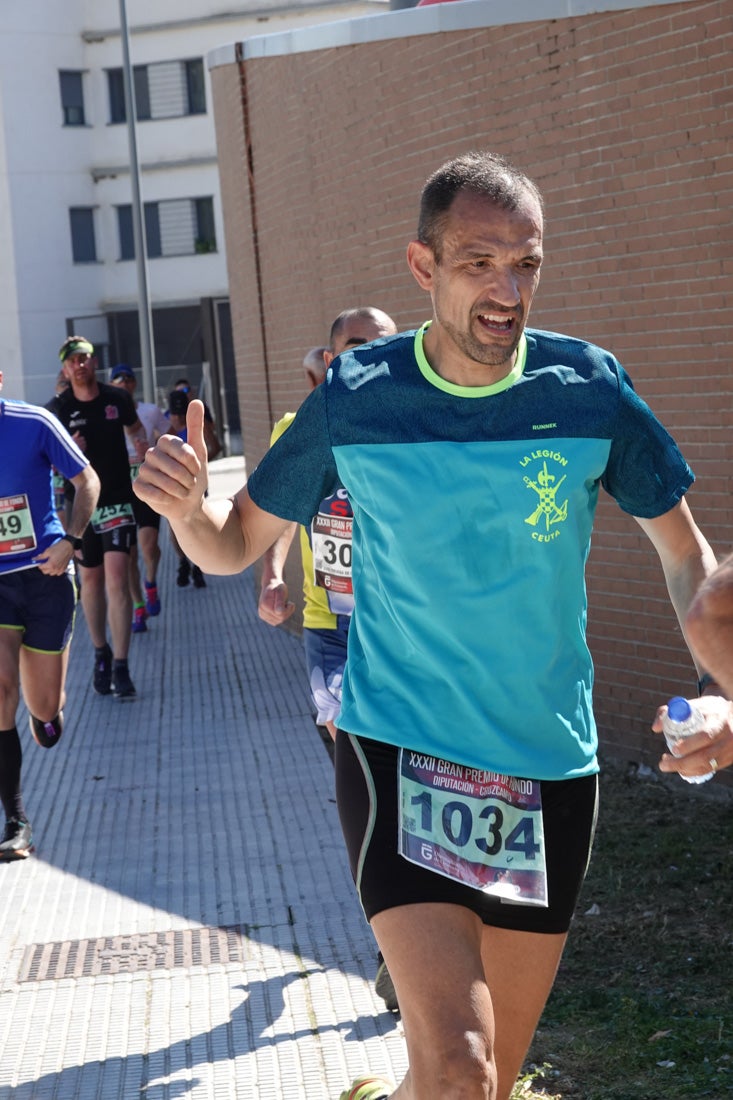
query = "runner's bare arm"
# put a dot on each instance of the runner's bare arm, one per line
(687, 560)
(136, 432)
(710, 625)
(54, 561)
(685, 554)
(86, 494)
(224, 536)
(274, 606)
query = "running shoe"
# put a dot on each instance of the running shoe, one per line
(103, 670)
(198, 577)
(368, 1088)
(384, 987)
(122, 685)
(17, 842)
(139, 626)
(152, 599)
(184, 573)
(47, 734)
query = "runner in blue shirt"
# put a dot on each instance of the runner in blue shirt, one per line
(37, 591)
(473, 451)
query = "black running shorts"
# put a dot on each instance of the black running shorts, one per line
(367, 797)
(144, 514)
(40, 606)
(119, 539)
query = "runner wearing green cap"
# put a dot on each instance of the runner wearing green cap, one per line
(98, 416)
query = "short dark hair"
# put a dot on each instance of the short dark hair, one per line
(360, 313)
(483, 173)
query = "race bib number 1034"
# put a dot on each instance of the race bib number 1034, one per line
(480, 828)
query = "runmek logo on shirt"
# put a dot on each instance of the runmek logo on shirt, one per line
(545, 484)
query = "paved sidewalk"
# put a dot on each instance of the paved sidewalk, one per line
(187, 926)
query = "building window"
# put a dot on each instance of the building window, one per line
(152, 231)
(205, 232)
(83, 244)
(116, 89)
(195, 86)
(175, 227)
(72, 98)
(167, 89)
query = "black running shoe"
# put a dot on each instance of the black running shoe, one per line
(47, 734)
(198, 577)
(103, 670)
(17, 842)
(184, 573)
(122, 685)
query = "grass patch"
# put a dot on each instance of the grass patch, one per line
(643, 1004)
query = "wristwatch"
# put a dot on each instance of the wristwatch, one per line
(75, 542)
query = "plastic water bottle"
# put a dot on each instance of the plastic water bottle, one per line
(682, 720)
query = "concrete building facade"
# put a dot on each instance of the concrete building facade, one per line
(623, 113)
(65, 188)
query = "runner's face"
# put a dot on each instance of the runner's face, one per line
(80, 368)
(482, 287)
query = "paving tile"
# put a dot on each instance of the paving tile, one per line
(189, 910)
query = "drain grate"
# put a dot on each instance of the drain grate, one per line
(143, 951)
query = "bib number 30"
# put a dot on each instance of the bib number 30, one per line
(480, 828)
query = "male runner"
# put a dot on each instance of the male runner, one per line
(325, 544)
(99, 416)
(37, 591)
(154, 422)
(325, 550)
(473, 451)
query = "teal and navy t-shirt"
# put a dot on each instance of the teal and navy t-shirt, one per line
(31, 442)
(473, 510)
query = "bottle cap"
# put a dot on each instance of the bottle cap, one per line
(678, 709)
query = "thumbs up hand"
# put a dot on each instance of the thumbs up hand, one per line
(174, 475)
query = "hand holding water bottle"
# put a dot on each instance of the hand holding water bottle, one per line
(699, 735)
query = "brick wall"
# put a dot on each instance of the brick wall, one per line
(624, 119)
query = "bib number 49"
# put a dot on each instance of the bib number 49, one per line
(10, 526)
